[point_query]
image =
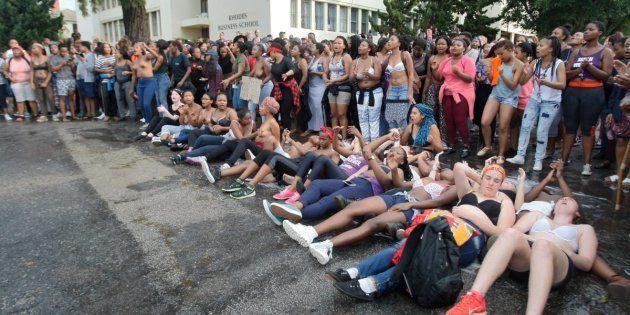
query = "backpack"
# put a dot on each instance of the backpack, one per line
(429, 265)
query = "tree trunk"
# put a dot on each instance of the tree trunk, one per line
(135, 20)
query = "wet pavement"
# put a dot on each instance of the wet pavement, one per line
(91, 222)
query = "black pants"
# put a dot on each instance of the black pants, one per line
(108, 99)
(286, 106)
(194, 134)
(325, 168)
(281, 165)
(223, 151)
(157, 122)
(240, 149)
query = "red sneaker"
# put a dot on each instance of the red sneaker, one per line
(284, 195)
(296, 197)
(471, 303)
(19, 119)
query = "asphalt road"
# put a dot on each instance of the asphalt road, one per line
(91, 222)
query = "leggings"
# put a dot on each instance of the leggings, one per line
(240, 149)
(283, 165)
(286, 105)
(205, 145)
(319, 198)
(157, 122)
(196, 134)
(455, 115)
(324, 167)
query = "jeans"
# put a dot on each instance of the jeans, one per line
(370, 116)
(163, 83)
(195, 134)
(265, 91)
(123, 97)
(183, 136)
(380, 267)
(145, 90)
(236, 101)
(319, 198)
(543, 111)
(397, 106)
(204, 145)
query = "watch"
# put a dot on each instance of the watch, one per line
(372, 157)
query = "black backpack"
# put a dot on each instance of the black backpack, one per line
(429, 265)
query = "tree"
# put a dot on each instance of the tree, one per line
(409, 17)
(135, 17)
(28, 21)
(543, 16)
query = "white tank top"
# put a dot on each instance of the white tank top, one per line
(545, 93)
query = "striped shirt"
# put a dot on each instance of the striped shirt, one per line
(105, 63)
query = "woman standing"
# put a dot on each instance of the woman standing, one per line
(18, 71)
(160, 70)
(589, 67)
(524, 52)
(122, 87)
(301, 77)
(262, 71)
(316, 87)
(366, 71)
(224, 61)
(104, 66)
(420, 66)
(482, 80)
(400, 92)
(40, 82)
(146, 83)
(502, 100)
(285, 90)
(549, 79)
(457, 94)
(336, 76)
(198, 80)
(432, 85)
(563, 34)
(240, 67)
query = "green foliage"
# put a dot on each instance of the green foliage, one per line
(27, 21)
(410, 17)
(543, 16)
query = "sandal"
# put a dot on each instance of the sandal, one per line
(500, 160)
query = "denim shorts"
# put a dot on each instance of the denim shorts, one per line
(509, 100)
(398, 92)
(400, 197)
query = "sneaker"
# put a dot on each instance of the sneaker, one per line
(178, 147)
(287, 211)
(339, 275)
(212, 174)
(465, 153)
(139, 137)
(276, 219)
(19, 119)
(322, 251)
(353, 289)
(295, 198)
(248, 190)
(225, 166)
(176, 159)
(55, 118)
(578, 141)
(587, 170)
(41, 119)
(101, 117)
(284, 195)
(7, 117)
(68, 115)
(234, 185)
(517, 159)
(483, 151)
(156, 141)
(303, 234)
(144, 126)
(471, 303)
(194, 161)
(142, 120)
(538, 165)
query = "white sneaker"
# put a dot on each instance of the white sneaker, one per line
(55, 117)
(322, 251)
(517, 159)
(587, 170)
(276, 220)
(303, 234)
(286, 211)
(101, 117)
(206, 170)
(225, 166)
(142, 120)
(68, 115)
(144, 126)
(538, 165)
(42, 118)
(156, 141)
(7, 117)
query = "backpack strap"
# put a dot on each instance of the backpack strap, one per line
(410, 247)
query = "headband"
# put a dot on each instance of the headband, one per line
(327, 131)
(494, 167)
(274, 49)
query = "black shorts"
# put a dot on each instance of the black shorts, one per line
(523, 276)
(581, 108)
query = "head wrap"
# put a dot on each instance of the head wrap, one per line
(425, 127)
(494, 167)
(270, 104)
(327, 131)
(273, 49)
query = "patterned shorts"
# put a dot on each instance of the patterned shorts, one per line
(65, 86)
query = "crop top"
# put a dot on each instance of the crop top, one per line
(567, 233)
(433, 189)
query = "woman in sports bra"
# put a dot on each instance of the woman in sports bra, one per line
(366, 70)
(336, 75)
(401, 76)
(588, 68)
(422, 133)
(556, 245)
(40, 81)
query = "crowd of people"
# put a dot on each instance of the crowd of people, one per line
(354, 131)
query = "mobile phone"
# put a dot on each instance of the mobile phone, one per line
(349, 183)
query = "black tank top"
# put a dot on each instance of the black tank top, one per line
(491, 208)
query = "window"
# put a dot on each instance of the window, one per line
(364, 21)
(121, 27)
(116, 30)
(319, 15)
(205, 32)
(343, 19)
(155, 23)
(354, 21)
(332, 17)
(306, 13)
(294, 13)
(105, 30)
(204, 6)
